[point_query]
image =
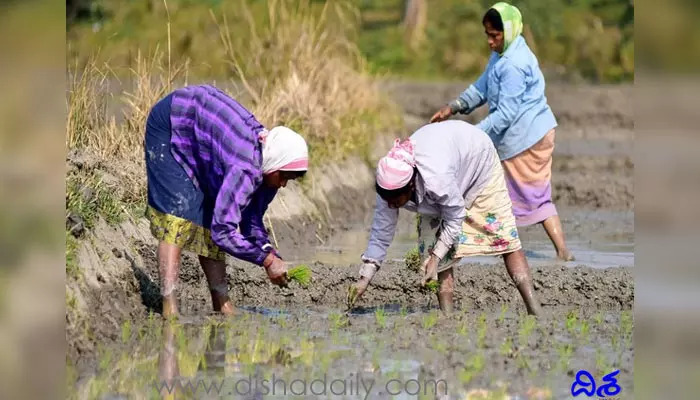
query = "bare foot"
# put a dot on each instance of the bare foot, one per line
(222, 304)
(228, 309)
(565, 255)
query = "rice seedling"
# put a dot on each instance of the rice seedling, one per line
(473, 367)
(482, 328)
(571, 321)
(126, 331)
(601, 362)
(380, 316)
(105, 360)
(598, 318)
(301, 274)
(437, 344)
(526, 329)
(565, 351)
(430, 319)
(522, 362)
(403, 312)
(352, 296)
(338, 320)
(507, 347)
(626, 327)
(432, 286)
(584, 330)
(412, 259)
(502, 315)
(463, 329)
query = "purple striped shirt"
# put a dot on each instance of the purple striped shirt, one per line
(215, 139)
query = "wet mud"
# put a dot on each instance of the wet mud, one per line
(394, 330)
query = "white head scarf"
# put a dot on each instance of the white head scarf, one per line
(283, 150)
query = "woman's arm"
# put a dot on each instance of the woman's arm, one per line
(443, 191)
(235, 194)
(252, 225)
(475, 95)
(382, 232)
(511, 88)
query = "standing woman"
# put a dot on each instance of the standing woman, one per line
(213, 169)
(520, 122)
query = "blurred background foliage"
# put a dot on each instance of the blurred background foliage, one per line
(582, 39)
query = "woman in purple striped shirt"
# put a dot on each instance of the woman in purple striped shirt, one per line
(212, 170)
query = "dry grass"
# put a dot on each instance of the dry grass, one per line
(304, 70)
(301, 69)
(112, 147)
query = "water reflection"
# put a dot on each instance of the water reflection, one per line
(212, 362)
(168, 368)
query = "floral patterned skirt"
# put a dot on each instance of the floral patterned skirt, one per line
(488, 230)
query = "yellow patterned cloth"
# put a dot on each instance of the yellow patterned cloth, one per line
(488, 230)
(184, 234)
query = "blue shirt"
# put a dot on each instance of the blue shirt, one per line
(513, 86)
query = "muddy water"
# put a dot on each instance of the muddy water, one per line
(395, 336)
(598, 239)
(391, 354)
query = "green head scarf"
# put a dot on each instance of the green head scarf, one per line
(512, 22)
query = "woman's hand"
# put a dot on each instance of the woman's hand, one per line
(429, 269)
(355, 291)
(442, 114)
(276, 270)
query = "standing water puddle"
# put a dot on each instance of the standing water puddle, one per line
(597, 239)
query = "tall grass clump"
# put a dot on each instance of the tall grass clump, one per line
(302, 69)
(105, 133)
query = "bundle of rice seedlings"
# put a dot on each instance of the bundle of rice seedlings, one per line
(351, 297)
(301, 274)
(412, 259)
(432, 286)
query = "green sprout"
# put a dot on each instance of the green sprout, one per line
(301, 274)
(412, 259)
(380, 315)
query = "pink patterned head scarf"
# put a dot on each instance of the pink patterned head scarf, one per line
(395, 170)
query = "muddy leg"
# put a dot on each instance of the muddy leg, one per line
(519, 271)
(446, 291)
(169, 268)
(215, 271)
(552, 226)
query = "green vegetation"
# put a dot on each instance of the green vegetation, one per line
(412, 259)
(380, 316)
(430, 319)
(432, 286)
(301, 274)
(591, 38)
(254, 344)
